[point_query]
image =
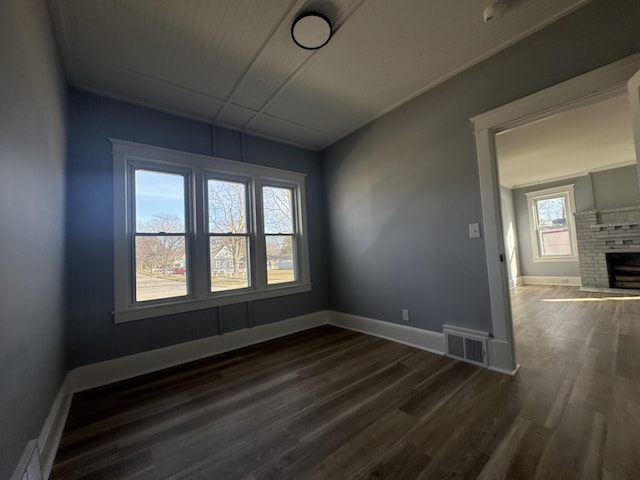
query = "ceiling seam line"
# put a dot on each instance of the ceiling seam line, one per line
(227, 101)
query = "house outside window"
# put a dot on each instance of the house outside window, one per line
(193, 231)
(551, 221)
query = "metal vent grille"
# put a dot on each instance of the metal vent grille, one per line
(473, 350)
(467, 345)
(456, 345)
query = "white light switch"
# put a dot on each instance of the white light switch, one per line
(474, 230)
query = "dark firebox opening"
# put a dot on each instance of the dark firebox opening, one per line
(624, 270)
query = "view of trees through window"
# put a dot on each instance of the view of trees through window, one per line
(228, 235)
(279, 232)
(553, 230)
(161, 252)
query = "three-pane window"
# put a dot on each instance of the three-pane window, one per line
(193, 231)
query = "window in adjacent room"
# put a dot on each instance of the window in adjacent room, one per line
(553, 234)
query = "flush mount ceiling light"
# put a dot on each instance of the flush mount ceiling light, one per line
(311, 30)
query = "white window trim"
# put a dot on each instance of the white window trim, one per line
(201, 166)
(569, 192)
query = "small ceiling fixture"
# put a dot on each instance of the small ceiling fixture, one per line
(311, 30)
(494, 11)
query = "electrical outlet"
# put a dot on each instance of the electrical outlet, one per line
(405, 315)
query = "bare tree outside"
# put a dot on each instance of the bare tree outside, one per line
(278, 211)
(160, 253)
(553, 229)
(279, 230)
(160, 250)
(228, 232)
(551, 211)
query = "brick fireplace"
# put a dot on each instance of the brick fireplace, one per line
(605, 232)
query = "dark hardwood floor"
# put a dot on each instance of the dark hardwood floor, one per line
(334, 404)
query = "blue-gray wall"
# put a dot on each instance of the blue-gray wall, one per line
(616, 188)
(92, 335)
(402, 190)
(32, 137)
(510, 232)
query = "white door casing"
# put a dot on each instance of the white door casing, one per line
(591, 87)
(633, 91)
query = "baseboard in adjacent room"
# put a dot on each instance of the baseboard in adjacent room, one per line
(551, 280)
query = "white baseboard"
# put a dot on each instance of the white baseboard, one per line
(411, 336)
(617, 291)
(51, 432)
(122, 368)
(516, 282)
(46, 445)
(541, 280)
(104, 373)
(29, 465)
(500, 357)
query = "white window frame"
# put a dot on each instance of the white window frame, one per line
(201, 168)
(568, 192)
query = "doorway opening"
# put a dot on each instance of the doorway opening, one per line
(601, 85)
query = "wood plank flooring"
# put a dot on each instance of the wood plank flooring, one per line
(334, 404)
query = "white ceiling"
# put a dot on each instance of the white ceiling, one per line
(233, 63)
(573, 143)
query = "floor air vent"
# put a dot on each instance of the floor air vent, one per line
(467, 345)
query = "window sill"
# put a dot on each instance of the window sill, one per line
(189, 305)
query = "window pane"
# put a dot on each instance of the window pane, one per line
(227, 207)
(228, 263)
(160, 267)
(555, 242)
(552, 222)
(551, 212)
(278, 210)
(281, 260)
(159, 202)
